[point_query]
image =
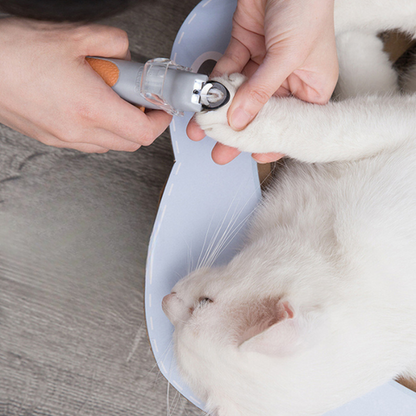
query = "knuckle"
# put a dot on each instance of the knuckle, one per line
(120, 39)
(321, 100)
(132, 148)
(85, 113)
(119, 143)
(258, 96)
(61, 136)
(89, 148)
(48, 140)
(80, 34)
(146, 138)
(68, 139)
(114, 39)
(231, 59)
(146, 134)
(94, 149)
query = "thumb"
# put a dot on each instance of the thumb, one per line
(253, 94)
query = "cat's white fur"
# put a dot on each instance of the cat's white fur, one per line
(320, 305)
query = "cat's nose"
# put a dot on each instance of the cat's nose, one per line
(175, 309)
(166, 301)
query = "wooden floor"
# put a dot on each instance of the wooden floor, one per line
(74, 230)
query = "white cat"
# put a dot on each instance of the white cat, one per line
(320, 305)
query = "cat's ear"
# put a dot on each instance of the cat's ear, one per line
(286, 332)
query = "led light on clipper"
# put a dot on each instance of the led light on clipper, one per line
(214, 95)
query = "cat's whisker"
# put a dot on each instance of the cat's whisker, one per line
(221, 243)
(230, 232)
(155, 366)
(167, 400)
(190, 261)
(226, 239)
(176, 401)
(176, 319)
(152, 369)
(212, 243)
(216, 247)
(200, 261)
(219, 228)
(170, 406)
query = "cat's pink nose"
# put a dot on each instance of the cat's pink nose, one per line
(166, 301)
(174, 308)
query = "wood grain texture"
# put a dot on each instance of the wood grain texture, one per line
(74, 230)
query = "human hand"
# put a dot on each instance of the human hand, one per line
(284, 47)
(49, 92)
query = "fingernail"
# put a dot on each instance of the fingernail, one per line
(240, 118)
(267, 157)
(215, 73)
(262, 162)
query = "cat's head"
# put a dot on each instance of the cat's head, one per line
(242, 344)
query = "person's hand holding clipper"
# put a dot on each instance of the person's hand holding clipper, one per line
(51, 93)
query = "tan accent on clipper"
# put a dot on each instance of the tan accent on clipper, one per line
(107, 70)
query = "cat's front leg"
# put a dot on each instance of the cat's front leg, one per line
(252, 139)
(346, 130)
(279, 127)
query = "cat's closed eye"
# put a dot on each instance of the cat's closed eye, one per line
(203, 300)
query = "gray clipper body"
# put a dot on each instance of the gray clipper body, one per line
(162, 84)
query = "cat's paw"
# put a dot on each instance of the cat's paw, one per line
(272, 130)
(260, 136)
(214, 122)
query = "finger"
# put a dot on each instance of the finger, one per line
(222, 154)
(106, 139)
(90, 140)
(27, 128)
(127, 56)
(158, 123)
(312, 87)
(87, 148)
(193, 130)
(250, 68)
(45, 136)
(283, 91)
(254, 93)
(109, 122)
(99, 40)
(266, 157)
(127, 121)
(234, 59)
(50, 140)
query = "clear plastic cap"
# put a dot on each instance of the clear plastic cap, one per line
(152, 85)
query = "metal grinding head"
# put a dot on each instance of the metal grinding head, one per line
(214, 95)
